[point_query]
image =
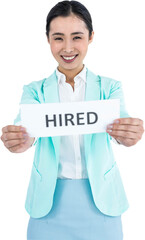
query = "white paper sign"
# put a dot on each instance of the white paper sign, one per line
(57, 119)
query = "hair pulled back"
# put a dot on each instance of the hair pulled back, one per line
(65, 9)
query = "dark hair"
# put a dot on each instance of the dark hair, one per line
(65, 9)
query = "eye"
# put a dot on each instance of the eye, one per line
(58, 39)
(77, 37)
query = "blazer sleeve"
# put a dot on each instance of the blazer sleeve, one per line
(116, 92)
(112, 89)
(29, 96)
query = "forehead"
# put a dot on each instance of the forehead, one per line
(70, 24)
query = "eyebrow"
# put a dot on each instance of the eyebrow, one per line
(62, 34)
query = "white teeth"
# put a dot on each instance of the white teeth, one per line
(69, 58)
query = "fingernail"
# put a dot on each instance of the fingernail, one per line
(25, 135)
(109, 130)
(23, 129)
(110, 126)
(116, 121)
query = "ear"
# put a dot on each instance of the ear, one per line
(91, 37)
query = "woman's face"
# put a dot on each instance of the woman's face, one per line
(69, 40)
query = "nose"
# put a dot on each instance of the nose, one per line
(68, 46)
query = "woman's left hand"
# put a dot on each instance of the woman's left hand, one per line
(126, 131)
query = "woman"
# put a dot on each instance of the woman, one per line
(75, 190)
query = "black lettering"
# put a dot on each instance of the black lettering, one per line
(60, 119)
(79, 118)
(68, 118)
(50, 120)
(88, 117)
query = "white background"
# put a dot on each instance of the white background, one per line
(118, 51)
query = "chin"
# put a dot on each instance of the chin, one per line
(70, 66)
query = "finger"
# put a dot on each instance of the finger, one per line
(17, 148)
(13, 143)
(14, 135)
(126, 142)
(13, 128)
(124, 134)
(125, 127)
(129, 121)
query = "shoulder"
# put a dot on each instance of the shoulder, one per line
(102, 79)
(108, 80)
(36, 87)
(35, 90)
(105, 82)
(110, 85)
(107, 85)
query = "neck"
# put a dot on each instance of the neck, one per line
(70, 74)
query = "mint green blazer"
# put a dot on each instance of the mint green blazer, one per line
(105, 181)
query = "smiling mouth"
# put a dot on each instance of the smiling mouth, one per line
(69, 59)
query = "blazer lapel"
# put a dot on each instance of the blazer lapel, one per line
(51, 95)
(93, 84)
(92, 93)
(50, 89)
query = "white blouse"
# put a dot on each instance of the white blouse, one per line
(72, 154)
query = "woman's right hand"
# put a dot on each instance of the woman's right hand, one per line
(16, 139)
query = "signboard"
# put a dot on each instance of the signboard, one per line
(58, 119)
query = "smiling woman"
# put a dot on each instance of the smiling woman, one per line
(75, 190)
